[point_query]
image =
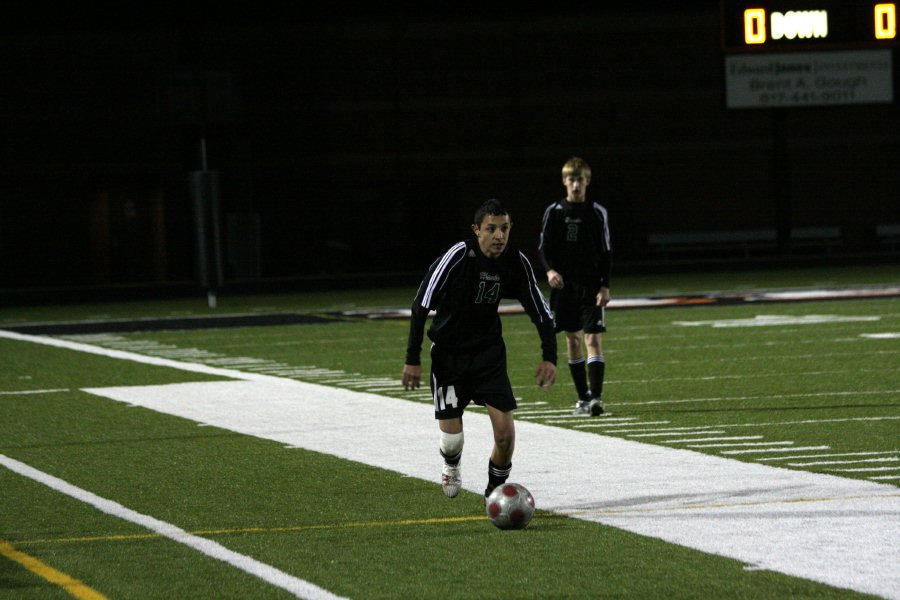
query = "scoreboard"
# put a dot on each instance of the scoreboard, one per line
(778, 25)
(783, 53)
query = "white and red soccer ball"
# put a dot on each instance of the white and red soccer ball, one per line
(510, 506)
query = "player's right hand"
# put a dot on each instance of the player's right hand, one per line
(412, 376)
(545, 376)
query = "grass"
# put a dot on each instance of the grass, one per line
(363, 532)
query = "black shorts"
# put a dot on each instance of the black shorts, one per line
(477, 375)
(575, 309)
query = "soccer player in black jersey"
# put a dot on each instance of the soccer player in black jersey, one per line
(464, 287)
(575, 252)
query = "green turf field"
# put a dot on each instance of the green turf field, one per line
(748, 381)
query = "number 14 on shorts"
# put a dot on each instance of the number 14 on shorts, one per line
(444, 397)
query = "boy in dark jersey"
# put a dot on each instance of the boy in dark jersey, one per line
(575, 252)
(464, 287)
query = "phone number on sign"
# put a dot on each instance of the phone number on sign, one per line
(807, 97)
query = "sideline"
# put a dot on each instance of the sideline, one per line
(838, 531)
(507, 308)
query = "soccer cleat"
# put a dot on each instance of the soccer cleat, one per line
(451, 481)
(596, 407)
(582, 408)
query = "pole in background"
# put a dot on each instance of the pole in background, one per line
(781, 176)
(204, 186)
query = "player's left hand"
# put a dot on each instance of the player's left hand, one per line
(555, 280)
(545, 376)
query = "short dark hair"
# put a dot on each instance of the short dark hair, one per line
(490, 207)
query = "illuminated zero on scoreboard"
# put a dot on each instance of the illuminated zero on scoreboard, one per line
(807, 24)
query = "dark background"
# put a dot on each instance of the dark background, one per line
(355, 144)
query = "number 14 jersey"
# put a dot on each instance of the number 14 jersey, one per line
(464, 288)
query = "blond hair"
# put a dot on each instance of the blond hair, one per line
(576, 166)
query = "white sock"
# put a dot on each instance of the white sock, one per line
(451, 447)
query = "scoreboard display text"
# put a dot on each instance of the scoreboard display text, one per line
(777, 25)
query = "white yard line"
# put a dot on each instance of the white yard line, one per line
(684, 431)
(838, 531)
(740, 444)
(30, 392)
(843, 462)
(298, 587)
(828, 455)
(776, 450)
(775, 397)
(711, 439)
(602, 423)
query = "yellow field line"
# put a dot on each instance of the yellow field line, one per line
(41, 569)
(239, 530)
(434, 521)
(342, 525)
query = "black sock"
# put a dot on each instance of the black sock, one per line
(452, 460)
(496, 476)
(579, 377)
(596, 369)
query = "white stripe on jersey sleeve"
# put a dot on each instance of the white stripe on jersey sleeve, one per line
(439, 275)
(537, 298)
(602, 211)
(544, 221)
